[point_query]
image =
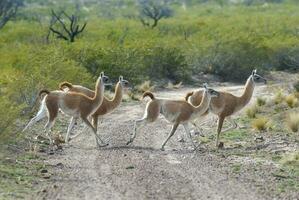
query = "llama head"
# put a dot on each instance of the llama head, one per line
(103, 79)
(212, 93)
(257, 78)
(124, 83)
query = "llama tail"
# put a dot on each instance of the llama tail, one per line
(65, 84)
(43, 92)
(189, 94)
(151, 95)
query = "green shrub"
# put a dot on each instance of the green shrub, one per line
(260, 101)
(251, 112)
(261, 123)
(291, 100)
(292, 122)
(296, 86)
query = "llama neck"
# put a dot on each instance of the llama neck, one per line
(118, 95)
(204, 104)
(99, 94)
(247, 94)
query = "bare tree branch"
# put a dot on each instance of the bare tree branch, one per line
(70, 33)
(153, 11)
(8, 9)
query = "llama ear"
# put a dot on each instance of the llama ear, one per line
(121, 78)
(253, 72)
(102, 74)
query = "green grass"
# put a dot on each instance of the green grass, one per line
(236, 135)
(17, 178)
(236, 168)
(289, 170)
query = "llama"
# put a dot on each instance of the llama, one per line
(107, 105)
(175, 111)
(74, 104)
(226, 104)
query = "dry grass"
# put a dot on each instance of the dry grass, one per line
(279, 97)
(260, 101)
(261, 124)
(252, 111)
(58, 139)
(291, 100)
(290, 159)
(296, 86)
(133, 96)
(292, 122)
(145, 86)
(174, 86)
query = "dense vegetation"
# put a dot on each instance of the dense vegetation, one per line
(218, 37)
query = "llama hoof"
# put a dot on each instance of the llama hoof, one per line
(129, 142)
(162, 149)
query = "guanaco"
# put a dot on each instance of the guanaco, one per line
(227, 104)
(74, 104)
(107, 105)
(175, 111)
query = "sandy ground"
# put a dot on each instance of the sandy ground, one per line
(140, 170)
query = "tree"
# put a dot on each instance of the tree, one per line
(153, 10)
(8, 9)
(67, 31)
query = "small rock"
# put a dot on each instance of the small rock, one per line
(43, 171)
(259, 139)
(55, 186)
(44, 190)
(46, 176)
(130, 167)
(60, 165)
(125, 155)
(221, 145)
(42, 150)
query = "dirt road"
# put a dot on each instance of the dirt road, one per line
(140, 170)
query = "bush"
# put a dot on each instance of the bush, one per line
(296, 86)
(260, 101)
(291, 100)
(292, 122)
(261, 123)
(9, 112)
(145, 86)
(251, 112)
(279, 97)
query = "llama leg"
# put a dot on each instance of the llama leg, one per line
(94, 131)
(48, 128)
(232, 123)
(95, 122)
(220, 123)
(69, 129)
(84, 130)
(173, 129)
(187, 129)
(137, 124)
(53, 109)
(200, 130)
(42, 113)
